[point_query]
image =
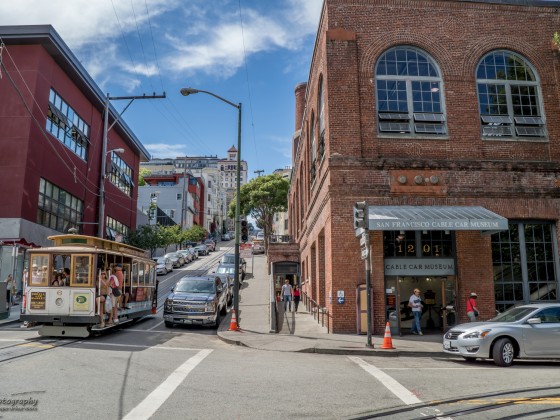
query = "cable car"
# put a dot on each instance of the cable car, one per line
(62, 283)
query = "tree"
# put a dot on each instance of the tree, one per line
(262, 197)
(147, 237)
(143, 174)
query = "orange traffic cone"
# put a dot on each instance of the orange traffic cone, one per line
(233, 324)
(387, 341)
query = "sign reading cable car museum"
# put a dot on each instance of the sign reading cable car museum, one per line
(419, 266)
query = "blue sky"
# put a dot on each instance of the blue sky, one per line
(249, 51)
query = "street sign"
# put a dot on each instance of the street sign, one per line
(365, 253)
(363, 240)
(340, 300)
(359, 231)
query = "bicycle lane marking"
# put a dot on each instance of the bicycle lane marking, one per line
(158, 396)
(391, 384)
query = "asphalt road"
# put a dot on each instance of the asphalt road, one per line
(148, 371)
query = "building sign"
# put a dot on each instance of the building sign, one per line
(246, 250)
(435, 225)
(419, 266)
(38, 300)
(81, 302)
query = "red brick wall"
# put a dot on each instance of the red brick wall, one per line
(517, 179)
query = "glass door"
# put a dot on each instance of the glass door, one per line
(448, 305)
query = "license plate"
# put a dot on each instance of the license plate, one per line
(447, 344)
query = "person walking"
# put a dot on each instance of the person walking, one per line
(472, 310)
(297, 296)
(287, 294)
(9, 285)
(415, 303)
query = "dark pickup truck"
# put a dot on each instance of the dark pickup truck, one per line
(196, 300)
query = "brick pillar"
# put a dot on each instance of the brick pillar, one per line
(322, 269)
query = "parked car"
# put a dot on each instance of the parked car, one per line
(258, 247)
(228, 281)
(196, 300)
(230, 269)
(163, 265)
(194, 253)
(210, 244)
(230, 259)
(226, 237)
(187, 255)
(522, 332)
(201, 249)
(177, 259)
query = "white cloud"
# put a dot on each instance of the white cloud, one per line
(162, 150)
(193, 36)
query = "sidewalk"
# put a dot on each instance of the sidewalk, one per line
(301, 333)
(13, 315)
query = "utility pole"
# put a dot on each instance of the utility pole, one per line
(361, 229)
(106, 129)
(259, 172)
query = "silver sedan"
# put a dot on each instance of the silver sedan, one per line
(525, 332)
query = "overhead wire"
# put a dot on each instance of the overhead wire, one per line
(248, 83)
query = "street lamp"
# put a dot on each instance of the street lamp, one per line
(191, 91)
(101, 219)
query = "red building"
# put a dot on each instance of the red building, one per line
(51, 138)
(444, 117)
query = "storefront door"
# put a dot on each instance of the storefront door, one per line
(438, 299)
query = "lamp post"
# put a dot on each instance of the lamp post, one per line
(191, 91)
(101, 219)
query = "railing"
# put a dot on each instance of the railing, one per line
(286, 239)
(317, 311)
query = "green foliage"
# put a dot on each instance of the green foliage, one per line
(262, 197)
(143, 173)
(147, 237)
(152, 237)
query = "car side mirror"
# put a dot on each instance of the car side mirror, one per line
(534, 321)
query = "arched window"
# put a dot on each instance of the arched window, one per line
(509, 97)
(312, 147)
(321, 119)
(409, 93)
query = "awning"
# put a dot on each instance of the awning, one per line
(435, 218)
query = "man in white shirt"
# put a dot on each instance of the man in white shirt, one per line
(287, 294)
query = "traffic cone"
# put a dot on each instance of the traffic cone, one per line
(387, 341)
(233, 324)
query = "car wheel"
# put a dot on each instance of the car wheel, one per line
(224, 309)
(503, 352)
(168, 324)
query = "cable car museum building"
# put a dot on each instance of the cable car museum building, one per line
(446, 122)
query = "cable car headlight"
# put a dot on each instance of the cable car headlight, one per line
(59, 302)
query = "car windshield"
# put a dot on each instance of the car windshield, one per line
(160, 260)
(228, 270)
(195, 286)
(171, 256)
(228, 259)
(513, 314)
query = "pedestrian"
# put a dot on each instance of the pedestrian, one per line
(9, 285)
(472, 310)
(102, 293)
(114, 294)
(123, 299)
(287, 295)
(296, 297)
(14, 292)
(415, 303)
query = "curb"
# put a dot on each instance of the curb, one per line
(343, 352)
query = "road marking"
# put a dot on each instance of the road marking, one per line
(13, 339)
(158, 396)
(137, 346)
(396, 388)
(155, 326)
(392, 385)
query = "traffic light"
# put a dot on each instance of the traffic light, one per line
(244, 231)
(360, 215)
